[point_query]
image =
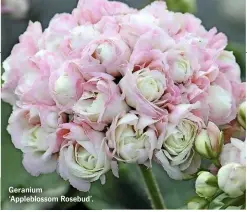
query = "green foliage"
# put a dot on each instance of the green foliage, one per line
(182, 5)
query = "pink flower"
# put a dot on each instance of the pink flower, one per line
(151, 43)
(143, 91)
(91, 11)
(234, 152)
(227, 64)
(59, 26)
(134, 25)
(182, 63)
(156, 8)
(18, 63)
(65, 85)
(107, 54)
(100, 102)
(77, 39)
(33, 131)
(175, 147)
(222, 106)
(132, 138)
(82, 159)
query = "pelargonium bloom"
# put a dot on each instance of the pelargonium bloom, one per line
(33, 131)
(17, 64)
(233, 152)
(132, 138)
(65, 85)
(176, 151)
(100, 102)
(59, 26)
(94, 10)
(82, 158)
(105, 54)
(143, 91)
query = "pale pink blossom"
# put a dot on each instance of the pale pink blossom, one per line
(100, 102)
(105, 54)
(175, 147)
(132, 138)
(134, 25)
(65, 85)
(82, 159)
(91, 11)
(234, 152)
(33, 131)
(143, 90)
(59, 26)
(18, 62)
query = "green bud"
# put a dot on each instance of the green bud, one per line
(206, 184)
(209, 141)
(242, 115)
(197, 203)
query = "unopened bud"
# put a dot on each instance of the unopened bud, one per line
(209, 141)
(232, 179)
(242, 115)
(206, 184)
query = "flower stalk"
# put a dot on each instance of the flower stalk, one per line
(152, 188)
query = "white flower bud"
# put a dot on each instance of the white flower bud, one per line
(181, 71)
(209, 141)
(232, 179)
(242, 115)
(206, 184)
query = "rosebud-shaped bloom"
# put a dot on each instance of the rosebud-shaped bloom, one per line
(59, 26)
(82, 159)
(77, 39)
(143, 90)
(132, 139)
(91, 11)
(227, 64)
(100, 102)
(65, 85)
(206, 184)
(177, 155)
(222, 106)
(232, 179)
(233, 152)
(197, 203)
(242, 115)
(134, 25)
(209, 141)
(18, 64)
(182, 64)
(106, 54)
(33, 130)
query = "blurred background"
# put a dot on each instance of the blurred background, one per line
(126, 192)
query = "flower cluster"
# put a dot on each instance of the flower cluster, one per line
(109, 84)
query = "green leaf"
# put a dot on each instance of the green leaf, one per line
(128, 191)
(182, 5)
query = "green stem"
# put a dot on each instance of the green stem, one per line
(152, 188)
(233, 202)
(216, 162)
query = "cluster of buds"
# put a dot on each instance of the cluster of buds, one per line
(225, 188)
(229, 183)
